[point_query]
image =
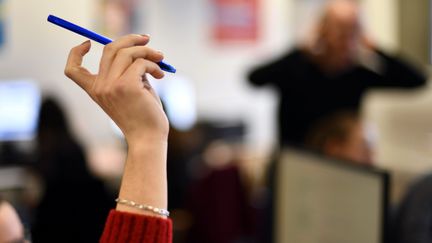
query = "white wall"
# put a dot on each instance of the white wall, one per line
(381, 18)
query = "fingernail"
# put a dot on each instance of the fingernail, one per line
(146, 35)
(161, 53)
(85, 42)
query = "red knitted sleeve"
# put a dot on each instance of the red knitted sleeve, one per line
(123, 227)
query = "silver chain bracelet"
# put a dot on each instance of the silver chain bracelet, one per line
(160, 211)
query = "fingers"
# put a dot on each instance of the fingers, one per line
(110, 50)
(136, 72)
(128, 62)
(75, 71)
(148, 86)
(125, 57)
(142, 66)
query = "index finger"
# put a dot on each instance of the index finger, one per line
(73, 68)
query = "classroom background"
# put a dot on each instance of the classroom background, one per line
(213, 44)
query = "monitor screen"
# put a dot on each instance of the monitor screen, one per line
(322, 200)
(19, 108)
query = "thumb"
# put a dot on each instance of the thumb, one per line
(75, 71)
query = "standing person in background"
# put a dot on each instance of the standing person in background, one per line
(330, 72)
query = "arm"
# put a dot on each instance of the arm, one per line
(399, 73)
(258, 76)
(272, 72)
(123, 92)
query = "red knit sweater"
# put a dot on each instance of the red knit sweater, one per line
(122, 227)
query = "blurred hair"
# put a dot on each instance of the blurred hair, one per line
(335, 127)
(52, 118)
(59, 156)
(312, 36)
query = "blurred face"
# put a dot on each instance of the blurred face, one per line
(340, 34)
(340, 31)
(11, 229)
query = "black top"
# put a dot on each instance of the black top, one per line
(307, 93)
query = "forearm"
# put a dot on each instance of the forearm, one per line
(144, 178)
(399, 72)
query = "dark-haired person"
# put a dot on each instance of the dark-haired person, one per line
(62, 167)
(341, 135)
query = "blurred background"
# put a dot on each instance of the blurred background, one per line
(219, 120)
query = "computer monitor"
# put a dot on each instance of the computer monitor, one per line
(19, 109)
(321, 200)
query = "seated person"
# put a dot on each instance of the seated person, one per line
(61, 165)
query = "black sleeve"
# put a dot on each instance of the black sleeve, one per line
(400, 73)
(273, 72)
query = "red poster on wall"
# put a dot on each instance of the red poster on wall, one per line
(235, 20)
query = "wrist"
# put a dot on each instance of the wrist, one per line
(147, 139)
(152, 149)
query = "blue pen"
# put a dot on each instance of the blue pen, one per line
(96, 37)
